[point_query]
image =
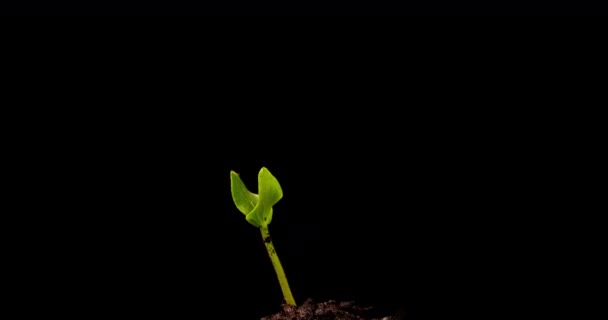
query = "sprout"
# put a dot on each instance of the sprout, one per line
(257, 209)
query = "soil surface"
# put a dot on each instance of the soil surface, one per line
(330, 310)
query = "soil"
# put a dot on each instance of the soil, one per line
(330, 310)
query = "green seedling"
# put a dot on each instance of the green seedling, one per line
(257, 209)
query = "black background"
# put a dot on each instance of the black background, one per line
(389, 200)
(333, 7)
(410, 183)
(137, 215)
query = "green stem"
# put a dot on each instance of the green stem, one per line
(276, 263)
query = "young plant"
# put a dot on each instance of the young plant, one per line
(257, 209)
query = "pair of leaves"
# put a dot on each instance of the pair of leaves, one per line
(257, 208)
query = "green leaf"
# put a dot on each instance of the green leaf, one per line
(244, 200)
(257, 208)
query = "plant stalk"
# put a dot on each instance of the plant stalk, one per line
(278, 268)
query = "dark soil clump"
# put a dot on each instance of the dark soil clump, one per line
(330, 310)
